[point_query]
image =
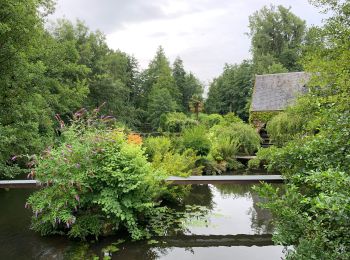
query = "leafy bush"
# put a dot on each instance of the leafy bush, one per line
(224, 148)
(210, 120)
(157, 145)
(163, 156)
(176, 122)
(170, 162)
(254, 164)
(312, 215)
(94, 183)
(284, 127)
(196, 138)
(326, 150)
(238, 134)
(231, 118)
(263, 159)
(210, 166)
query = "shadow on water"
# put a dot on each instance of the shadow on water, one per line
(235, 226)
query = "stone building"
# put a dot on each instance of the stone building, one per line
(273, 93)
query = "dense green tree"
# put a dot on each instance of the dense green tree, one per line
(313, 214)
(112, 77)
(64, 76)
(193, 87)
(187, 84)
(38, 78)
(159, 75)
(179, 75)
(157, 80)
(276, 37)
(230, 92)
(160, 102)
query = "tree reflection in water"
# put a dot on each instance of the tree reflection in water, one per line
(260, 218)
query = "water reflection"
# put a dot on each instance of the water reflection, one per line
(260, 218)
(236, 226)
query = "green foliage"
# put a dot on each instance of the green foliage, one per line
(196, 105)
(284, 127)
(230, 118)
(171, 163)
(187, 84)
(110, 72)
(241, 135)
(313, 214)
(210, 120)
(94, 183)
(230, 92)
(159, 76)
(57, 69)
(176, 122)
(157, 145)
(225, 149)
(196, 138)
(160, 102)
(254, 164)
(35, 81)
(175, 164)
(276, 37)
(276, 68)
(163, 155)
(326, 150)
(263, 159)
(230, 138)
(260, 118)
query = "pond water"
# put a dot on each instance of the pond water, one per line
(234, 228)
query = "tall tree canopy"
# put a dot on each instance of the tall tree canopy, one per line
(174, 83)
(276, 38)
(39, 77)
(187, 84)
(230, 92)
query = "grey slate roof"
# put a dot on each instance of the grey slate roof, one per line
(273, 92)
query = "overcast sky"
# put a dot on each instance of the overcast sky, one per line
(206, 34)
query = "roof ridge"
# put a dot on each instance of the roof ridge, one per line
(284, 73)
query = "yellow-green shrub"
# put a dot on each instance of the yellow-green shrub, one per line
(196, 138)
(284, 127)
(239, 134)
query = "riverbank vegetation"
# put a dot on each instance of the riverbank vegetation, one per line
(103, 171)
(313, 213)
